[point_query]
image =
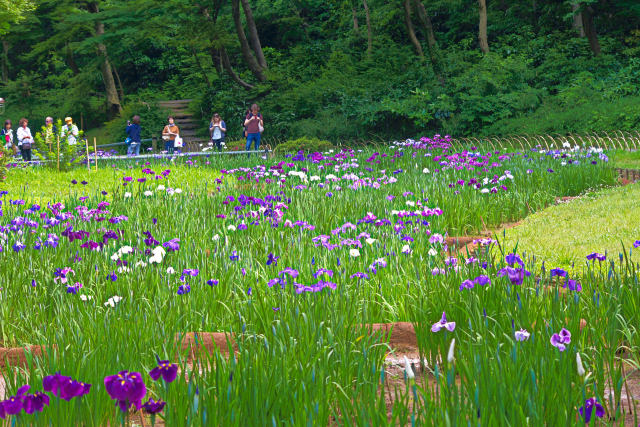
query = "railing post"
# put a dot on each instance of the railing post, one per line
(154, 143)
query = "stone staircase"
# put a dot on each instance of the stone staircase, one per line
(187, 123)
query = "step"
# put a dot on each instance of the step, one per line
(176, 102)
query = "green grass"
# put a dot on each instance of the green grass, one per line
(625, 159)
(598, 222)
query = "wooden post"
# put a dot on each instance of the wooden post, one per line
(95, 153)
(86, 144)
(58, 139)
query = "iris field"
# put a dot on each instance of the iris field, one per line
(293, 257)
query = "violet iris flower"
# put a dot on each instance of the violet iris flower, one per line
(586, 411)
(64, 387)
(559, 340)
(522, 335)
(290, 271)
(234, 256)
(482, 280)
(168, 371)
(272, 259)
(172, 245)
(152, 407)
(511, 259)
(558, 272)
(184, 289)
(450, 326)
(573, 285)
(14, 404)
(636, 244)
(212, 282)
(467, 284)
(127, 388)
(597, 256)
(35, 402)
(516, 275)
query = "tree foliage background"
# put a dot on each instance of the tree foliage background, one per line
(333, 69)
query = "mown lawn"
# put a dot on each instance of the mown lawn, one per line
(625, 159)
(597, 222)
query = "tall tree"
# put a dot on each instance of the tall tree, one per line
(482, 26)
(432, 45)
(367, 15)
(113, 100)
(13, 11)
(590, 29)
(409, 24)
(252, 63)
(253, 34)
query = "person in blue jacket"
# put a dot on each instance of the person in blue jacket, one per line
(133, 136)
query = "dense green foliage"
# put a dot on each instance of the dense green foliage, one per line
(321, 80)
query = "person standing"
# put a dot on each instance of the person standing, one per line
(218, 129)
(133, 136)
(7, 137)
(25, 140)
(50, 132)
(169, 134)
(70, 132)
(255, 126)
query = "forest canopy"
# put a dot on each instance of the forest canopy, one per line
(331, 69)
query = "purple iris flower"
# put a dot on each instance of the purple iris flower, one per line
(234, 256)
(190, 272)
(290, 271)
(18, 246)
(482, 280)
(595, 255)
(586, 411)
(14, 404)
(558, 272)
(522, 335)
(572, 285)
(560, 339)
(165, 369)
(212, 282)
(152, 407)
(467, 284)
(64, 387)
(172, 245)
(636, 244)
(35, 402)
(184, 289)
(127, 388)
(511, 259)
(112, 276)
(272, 259)
(516, 275)
(450, 326)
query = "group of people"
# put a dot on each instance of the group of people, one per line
(253, 126)
(22, 141)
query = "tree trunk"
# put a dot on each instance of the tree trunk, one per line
(482, 27)
(590, 30)
(253, 34)
(432, 45)
(356, 25)
(120, 89)
(113, 101)
(253, 65)
(369, 31)
(409, 25)
(5, 61)
(227, 66)
(577, 19)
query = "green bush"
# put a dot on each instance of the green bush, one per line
(310, 145)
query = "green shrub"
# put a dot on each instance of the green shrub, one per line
(303, 144)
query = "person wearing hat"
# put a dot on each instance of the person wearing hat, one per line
(69, 131)
(50, 132)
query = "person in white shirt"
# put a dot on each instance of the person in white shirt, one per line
(25, 140)
(69, 131)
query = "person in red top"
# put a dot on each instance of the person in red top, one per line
(255, 125)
